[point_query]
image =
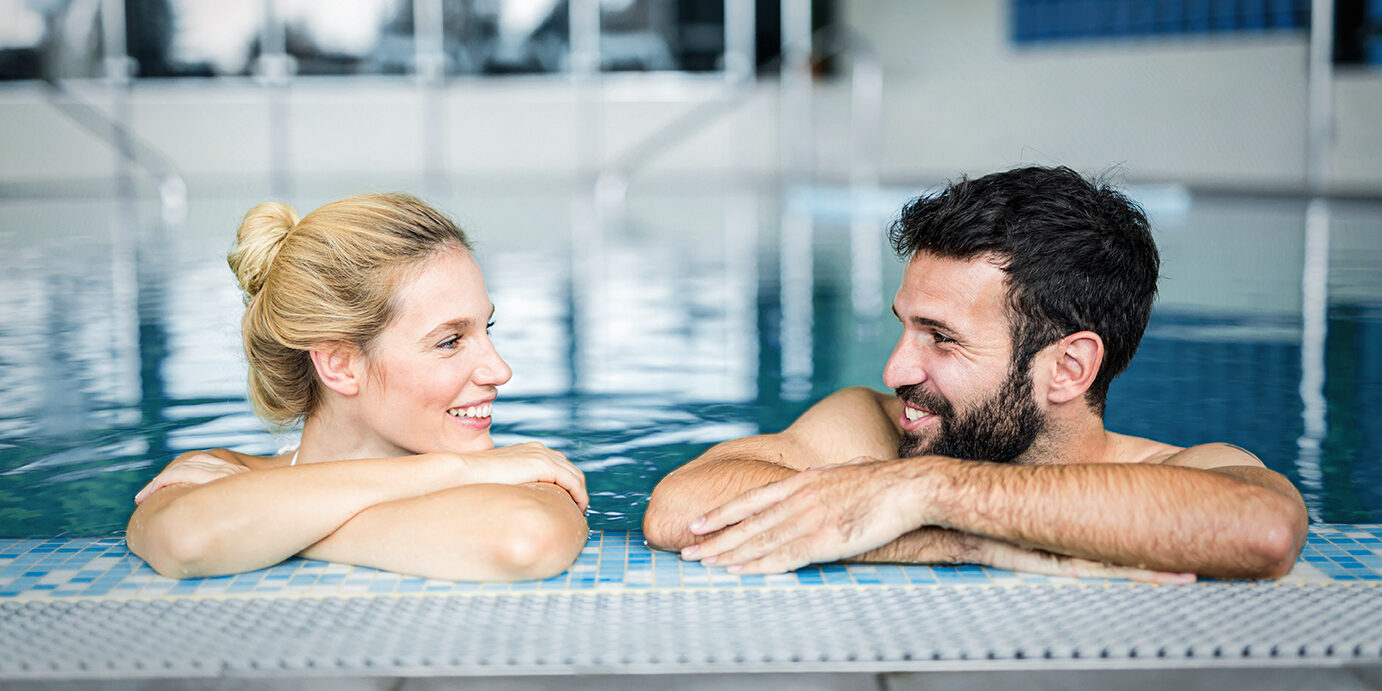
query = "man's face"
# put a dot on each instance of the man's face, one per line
(952, 367)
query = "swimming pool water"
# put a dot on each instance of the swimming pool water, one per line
(640, 338)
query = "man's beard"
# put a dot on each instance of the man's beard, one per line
(999, 429)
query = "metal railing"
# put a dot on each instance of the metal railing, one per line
(866, 84)
(168, 181)
(114, 129)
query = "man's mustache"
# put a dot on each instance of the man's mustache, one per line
(918, 397)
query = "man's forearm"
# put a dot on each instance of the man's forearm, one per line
(1149, 516)
(928, 545)
(691, 491)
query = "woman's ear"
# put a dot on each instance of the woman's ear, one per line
(1078, 358)
(340, 366)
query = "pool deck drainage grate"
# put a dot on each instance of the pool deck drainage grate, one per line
(86, 608)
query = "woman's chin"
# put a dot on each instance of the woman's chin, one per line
(479, 443)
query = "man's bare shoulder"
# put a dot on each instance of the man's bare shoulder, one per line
(852, 422)
(854, 404)
(1129, 449)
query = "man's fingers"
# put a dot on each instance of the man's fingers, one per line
(1082, 568)
(715, 549)
(764, 535)
(728, 539)
(1012, 557)
(788, 557)
(742, 506)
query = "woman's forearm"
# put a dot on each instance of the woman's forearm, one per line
(476, 532)
(255, 519)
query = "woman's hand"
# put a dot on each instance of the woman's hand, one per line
(196, 468)
(528, 462)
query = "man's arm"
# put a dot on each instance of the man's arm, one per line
(1212, 510)
(848, 423)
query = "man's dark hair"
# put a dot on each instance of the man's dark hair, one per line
(1078, 256)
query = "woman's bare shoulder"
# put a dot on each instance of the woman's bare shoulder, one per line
(249, 461)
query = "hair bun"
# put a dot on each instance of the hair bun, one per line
(257, 243)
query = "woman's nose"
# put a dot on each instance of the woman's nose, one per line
(493, 371)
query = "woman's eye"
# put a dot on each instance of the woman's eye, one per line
(489, 326)
(450, 342)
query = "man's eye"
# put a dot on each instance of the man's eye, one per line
(941, 338)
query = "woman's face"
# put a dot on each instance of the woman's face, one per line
(433, 372)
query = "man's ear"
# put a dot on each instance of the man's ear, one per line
(1078, 358)
(340, 366)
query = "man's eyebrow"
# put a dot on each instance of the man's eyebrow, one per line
(925, 321)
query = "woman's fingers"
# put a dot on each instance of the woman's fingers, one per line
(568, 476)
(197, 469)
(534, 462)
(573, 482)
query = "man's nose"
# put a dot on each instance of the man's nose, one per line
(904, 366)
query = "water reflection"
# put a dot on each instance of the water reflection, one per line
(638, 341)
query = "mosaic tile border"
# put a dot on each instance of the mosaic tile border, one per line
(612, 561)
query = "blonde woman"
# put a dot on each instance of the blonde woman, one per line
(366, 322)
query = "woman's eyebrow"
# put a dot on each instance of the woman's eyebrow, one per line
(448, 326)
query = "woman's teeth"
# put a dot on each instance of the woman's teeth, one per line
(476, 411)
(914, 414)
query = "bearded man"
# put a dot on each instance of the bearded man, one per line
(1025, 293)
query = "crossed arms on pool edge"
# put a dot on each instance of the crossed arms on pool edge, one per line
(830, 488)
(1023, 295)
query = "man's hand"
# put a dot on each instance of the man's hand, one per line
(857, 508)
(1002, 555)
(195, 469)
(818, 515)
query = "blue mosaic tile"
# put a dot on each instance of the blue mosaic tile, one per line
(611, 560)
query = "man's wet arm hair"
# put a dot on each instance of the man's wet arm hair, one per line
(1078, 255)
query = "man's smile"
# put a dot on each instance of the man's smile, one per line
(914, 417)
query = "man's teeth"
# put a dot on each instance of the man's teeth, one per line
(914, 414)
(482, 410)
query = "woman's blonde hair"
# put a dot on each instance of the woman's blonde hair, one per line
(329, 277)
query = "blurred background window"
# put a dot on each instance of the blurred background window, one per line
(21, 38)
(1357, 23)
(208, 38)
(1063, 20)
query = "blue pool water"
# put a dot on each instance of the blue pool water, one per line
(640, 338)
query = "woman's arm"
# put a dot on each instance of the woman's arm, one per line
(477, 532)
(250, 520)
